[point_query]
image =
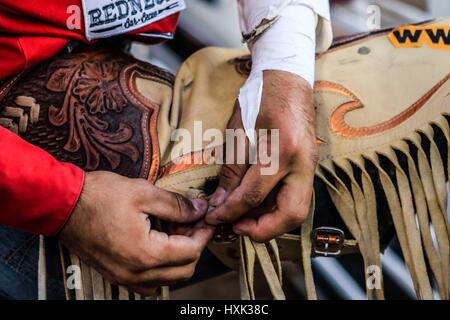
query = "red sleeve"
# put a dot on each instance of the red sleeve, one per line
(37, 193)
(33, 31)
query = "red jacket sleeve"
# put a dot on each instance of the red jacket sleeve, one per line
(33, 31)
(37, 193)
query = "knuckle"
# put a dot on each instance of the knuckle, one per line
(144, 183)
(139, 187)
(140, 184)
(142, 261)
(290, 143)
(297, 218)
(253, 198)
(306, 152)
(314, 155)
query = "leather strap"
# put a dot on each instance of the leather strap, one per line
(79, 291)
(268, 269)
(165, 293)
(437, 259)
(98, 286)
(123, 293)
(366, 217)
(62, 258)
(42, 270)
(306, 252)
(405, 224)
(276, 253)
(247, 268)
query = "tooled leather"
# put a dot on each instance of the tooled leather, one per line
(90, 111)
(7, 84)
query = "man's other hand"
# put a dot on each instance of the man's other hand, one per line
(266, 206)
(110, 229)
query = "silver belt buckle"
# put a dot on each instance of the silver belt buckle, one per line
(327, 241)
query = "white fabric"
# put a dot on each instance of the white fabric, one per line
(104, 18)
(302, 29)
(289, 45)
(252, 12)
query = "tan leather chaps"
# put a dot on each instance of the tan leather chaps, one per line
(382, 128)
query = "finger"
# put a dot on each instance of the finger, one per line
(173, 207)
(187, 230)
(179, 230)
(235, 157)
(178, 250)
(265, 228)
(293, 203)
(150, 277)
(249, 195)
(165, 276)
(229, 179)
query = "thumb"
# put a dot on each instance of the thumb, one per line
(230, 178)
(172, 207)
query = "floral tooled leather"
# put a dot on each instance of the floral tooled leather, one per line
(98, 88)
(90, 114)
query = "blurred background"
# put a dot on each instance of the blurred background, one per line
(215, 23)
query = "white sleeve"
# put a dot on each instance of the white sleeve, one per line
(253, 12)
(286, 35)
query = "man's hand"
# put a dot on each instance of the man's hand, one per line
(110, 230)
(277, 203)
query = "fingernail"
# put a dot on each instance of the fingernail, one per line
(218, 197)
(200, 205)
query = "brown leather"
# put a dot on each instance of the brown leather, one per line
(90, 112)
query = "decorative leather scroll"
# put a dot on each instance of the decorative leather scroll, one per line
(83, 108)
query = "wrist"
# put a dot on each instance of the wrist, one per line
(76, 204)
(295, 90)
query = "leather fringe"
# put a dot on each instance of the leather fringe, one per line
(417, 200)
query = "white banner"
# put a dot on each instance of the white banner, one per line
(106, 18)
